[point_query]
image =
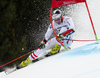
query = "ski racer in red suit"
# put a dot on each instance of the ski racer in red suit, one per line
(65, 27)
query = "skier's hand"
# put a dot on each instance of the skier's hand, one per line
(42, 45)
(60, 37)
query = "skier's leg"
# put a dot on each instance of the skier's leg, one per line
(34, 55)
(49, 45)
(57, 47)
(67, 43)
(54, 50)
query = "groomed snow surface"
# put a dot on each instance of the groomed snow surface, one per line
(82, 62)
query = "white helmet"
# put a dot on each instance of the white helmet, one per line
(56, 14)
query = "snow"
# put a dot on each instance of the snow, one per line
(82, 61)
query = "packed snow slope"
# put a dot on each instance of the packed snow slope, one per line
(81, 62)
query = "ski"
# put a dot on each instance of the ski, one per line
(15, 68)
(10, 70)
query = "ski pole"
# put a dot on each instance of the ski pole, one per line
(80, 40)
(16, 58)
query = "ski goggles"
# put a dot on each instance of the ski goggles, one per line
(57, 20)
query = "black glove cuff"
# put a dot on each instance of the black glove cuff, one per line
(45, 41)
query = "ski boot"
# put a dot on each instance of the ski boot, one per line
(54, 50)
(24, 63)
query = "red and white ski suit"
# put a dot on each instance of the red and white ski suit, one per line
(65, 25)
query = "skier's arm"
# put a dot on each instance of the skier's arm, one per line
(70, 28)
(47, 36)
(67, 33)
(70, 23)
(48, 33)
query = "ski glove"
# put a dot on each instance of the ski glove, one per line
(60, 36)
(42, 44)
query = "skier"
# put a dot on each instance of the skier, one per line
(65, 28)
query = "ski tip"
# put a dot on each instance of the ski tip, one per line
(10, 70)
